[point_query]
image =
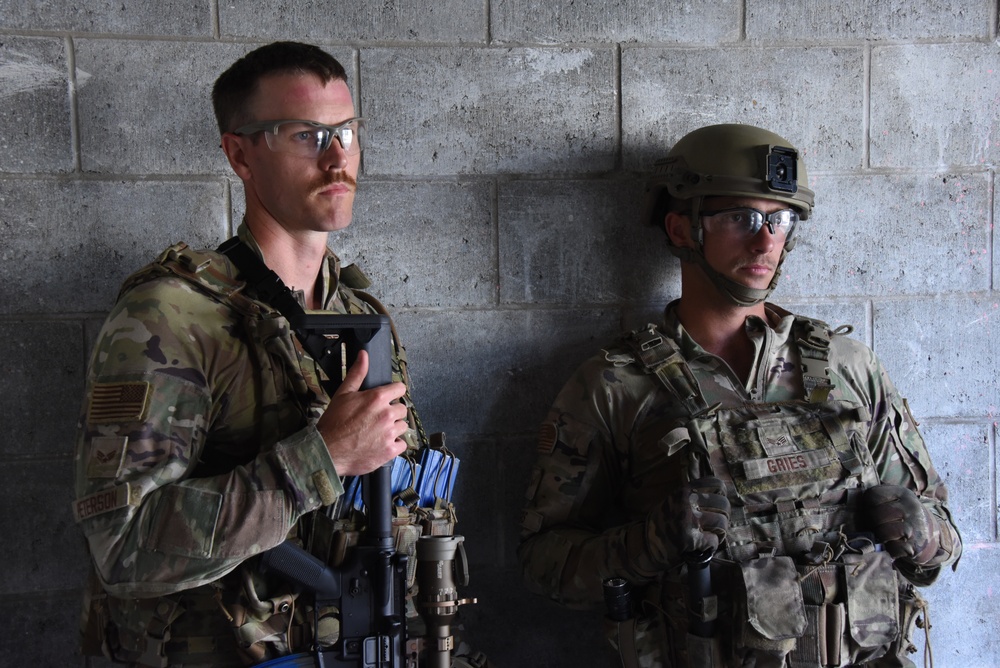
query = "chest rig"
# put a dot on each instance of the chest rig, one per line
(795, 583)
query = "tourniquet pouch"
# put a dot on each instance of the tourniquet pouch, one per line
(872, 604)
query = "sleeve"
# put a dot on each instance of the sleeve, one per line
(156, 387)
(574, 533)
(901, 458)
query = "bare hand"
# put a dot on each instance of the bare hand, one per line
(362, 428)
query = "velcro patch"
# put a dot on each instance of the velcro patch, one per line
(327, 494)
(106, 456)
(547, 438)
(117, 402)
(120, 496)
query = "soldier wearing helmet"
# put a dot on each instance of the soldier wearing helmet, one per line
(741, 485)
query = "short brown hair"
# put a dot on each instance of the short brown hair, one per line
(234, 87)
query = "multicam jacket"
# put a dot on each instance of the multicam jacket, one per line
(196, 446)
(604, 463)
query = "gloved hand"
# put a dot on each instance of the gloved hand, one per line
(902, 523)
(694, 518)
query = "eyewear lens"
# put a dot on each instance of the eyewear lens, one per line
(308, 139)
(746, 222)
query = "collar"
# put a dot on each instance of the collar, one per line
(329, 276)
(779, 321)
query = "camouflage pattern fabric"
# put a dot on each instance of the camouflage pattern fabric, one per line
(606, 462)
(196, 446)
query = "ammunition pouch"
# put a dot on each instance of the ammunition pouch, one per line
(854, 611)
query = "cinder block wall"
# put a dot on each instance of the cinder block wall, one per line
(497, 215)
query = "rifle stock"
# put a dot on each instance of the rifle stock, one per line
(369, 588)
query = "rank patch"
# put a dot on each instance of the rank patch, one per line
(106, 456)
(117, 402)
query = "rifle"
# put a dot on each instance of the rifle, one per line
(369, 588)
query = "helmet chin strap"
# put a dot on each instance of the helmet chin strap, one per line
(738, 294)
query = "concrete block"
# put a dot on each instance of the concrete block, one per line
(440, 111)
(961, 456)
(423, 243)
(942, 353)
(35, 121)
(699, 21)
(364, 20)
(579, 242)
(963, 613)
(44, 549)
(43, 632)
(42, 367)
(66, 246)
(162, 122)
(480, 477)
(768, 20)
(892, 234)
(640, 316)
(139, 17)
(487, 372)
(934, 105)
(667, 93)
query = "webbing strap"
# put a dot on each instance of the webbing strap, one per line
(273, 291)
(813, 338)
(267, 284)
(661, 356)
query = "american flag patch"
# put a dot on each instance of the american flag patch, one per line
(117, 402)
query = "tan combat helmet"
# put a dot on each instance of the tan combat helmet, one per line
(729, 160)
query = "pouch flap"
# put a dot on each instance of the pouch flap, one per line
(775, 608)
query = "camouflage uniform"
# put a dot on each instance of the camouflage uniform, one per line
(196, 450)
(609, 452)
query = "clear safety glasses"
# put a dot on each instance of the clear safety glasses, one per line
(308, 139)
(744, 222)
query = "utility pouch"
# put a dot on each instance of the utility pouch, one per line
(775, 613)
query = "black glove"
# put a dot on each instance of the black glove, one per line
(901, 522)
(694, 518)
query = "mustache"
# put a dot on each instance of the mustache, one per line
(335, 178)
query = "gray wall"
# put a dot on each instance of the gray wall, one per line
(497, 215)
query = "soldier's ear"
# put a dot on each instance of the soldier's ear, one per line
(233, 147)
(678, 227)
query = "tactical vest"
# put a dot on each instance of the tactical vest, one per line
(795, 582)
(246, 618)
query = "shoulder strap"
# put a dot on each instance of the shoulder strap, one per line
(260, 278)
(659, 355)
(272, 290)
(813, 339)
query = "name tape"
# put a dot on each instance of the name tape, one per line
(115, 498)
